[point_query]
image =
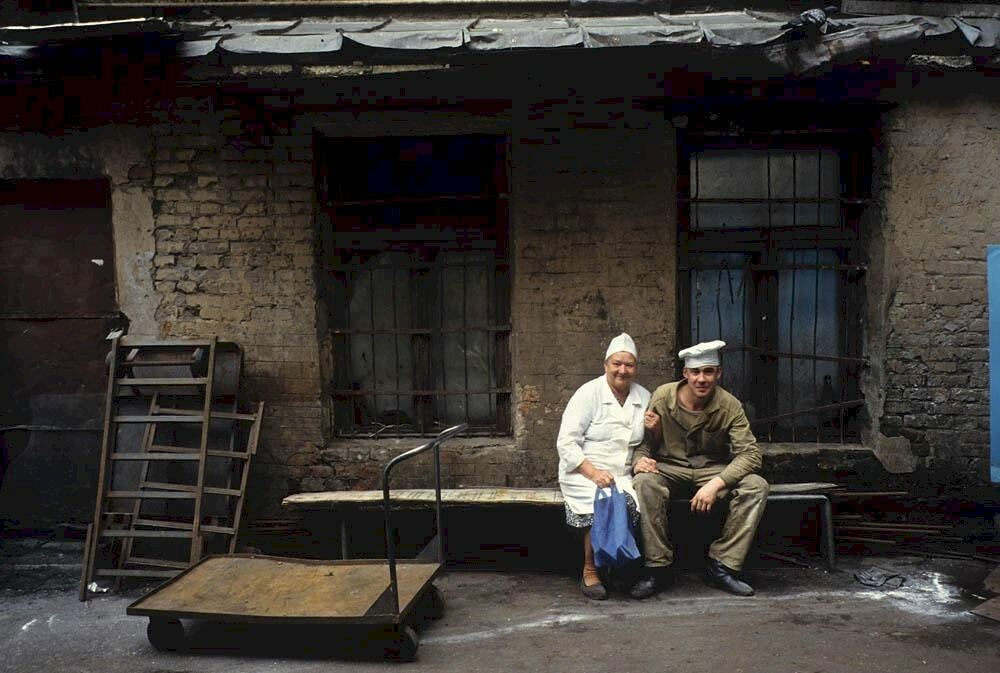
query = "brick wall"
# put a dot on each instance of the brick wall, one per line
(231, 188)
(941, 205)
(233, 200)
(593, 232)
(593, 227)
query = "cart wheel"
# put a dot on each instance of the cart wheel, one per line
(403, 646)
(435, 603)
(166, 635)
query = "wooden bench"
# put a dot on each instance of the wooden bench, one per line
(342, 503)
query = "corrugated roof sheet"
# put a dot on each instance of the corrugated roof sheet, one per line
(797, 48)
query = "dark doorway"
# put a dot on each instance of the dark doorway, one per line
(58, 303)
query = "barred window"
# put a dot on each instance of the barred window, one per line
(419, 308)
(770, 263)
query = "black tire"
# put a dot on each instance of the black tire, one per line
(403, 646)
(166, 635)
(435, 603)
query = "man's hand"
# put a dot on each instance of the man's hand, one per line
(653, 424)
(705, 497)
(644, 464)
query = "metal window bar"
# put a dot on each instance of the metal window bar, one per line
(465, 335)
(441, 367)
(448, 326)
(445, 388)
(374, 355)
(395, 337)
(794, 275)
(770, 387)
(490, 345)
(815, 335)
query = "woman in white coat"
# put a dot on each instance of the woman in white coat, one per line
(602, 422)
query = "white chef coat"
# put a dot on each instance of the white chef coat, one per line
(594, 426)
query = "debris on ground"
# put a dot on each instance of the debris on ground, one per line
(879, 578)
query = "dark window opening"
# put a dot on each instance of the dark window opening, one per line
(770, 245)
(419, 284)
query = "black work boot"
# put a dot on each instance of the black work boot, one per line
(721, 577)
(651, 581)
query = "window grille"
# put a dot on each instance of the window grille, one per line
(770, 263)
(419, 305)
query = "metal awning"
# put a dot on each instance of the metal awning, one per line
(797, 48)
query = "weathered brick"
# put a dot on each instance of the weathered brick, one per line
(211, 247)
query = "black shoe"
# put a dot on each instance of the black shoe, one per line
(653, 580)
(721, 577)
(595, 592)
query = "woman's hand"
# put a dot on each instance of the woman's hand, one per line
(602, 478)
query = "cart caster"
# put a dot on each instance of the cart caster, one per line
(403, 644)
(435, 603)
(166, 635)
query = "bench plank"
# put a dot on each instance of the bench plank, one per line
(480, 496)
(452, 496)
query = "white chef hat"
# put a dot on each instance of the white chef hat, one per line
(705, 354)
(621, 344)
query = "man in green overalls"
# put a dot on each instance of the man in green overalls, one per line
(698, 445)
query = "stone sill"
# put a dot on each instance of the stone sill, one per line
(403, 443)
(381, 450)
(777, 449)
(400, 444)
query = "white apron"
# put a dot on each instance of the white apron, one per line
(595, 427)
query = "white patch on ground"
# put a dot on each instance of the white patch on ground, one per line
(27, 625)
(543, 623)
(927, 595)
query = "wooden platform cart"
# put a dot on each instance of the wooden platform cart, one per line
(245, 588)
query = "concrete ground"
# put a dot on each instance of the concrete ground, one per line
(802, 620)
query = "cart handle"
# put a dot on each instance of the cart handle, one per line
(390, 538)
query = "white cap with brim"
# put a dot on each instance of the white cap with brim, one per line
(621, 344)
(705, 354)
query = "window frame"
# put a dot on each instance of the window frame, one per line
(761, 345)
(426, 384)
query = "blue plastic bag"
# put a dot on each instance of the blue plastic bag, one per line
(611, 535)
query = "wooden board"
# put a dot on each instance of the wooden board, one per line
(477, 496)
(275, 589)
(463, 496)
(990, 609)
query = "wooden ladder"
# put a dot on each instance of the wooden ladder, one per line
(190, 402)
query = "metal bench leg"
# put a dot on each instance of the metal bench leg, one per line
(826, 544)
(826, 518)
(344, 550)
